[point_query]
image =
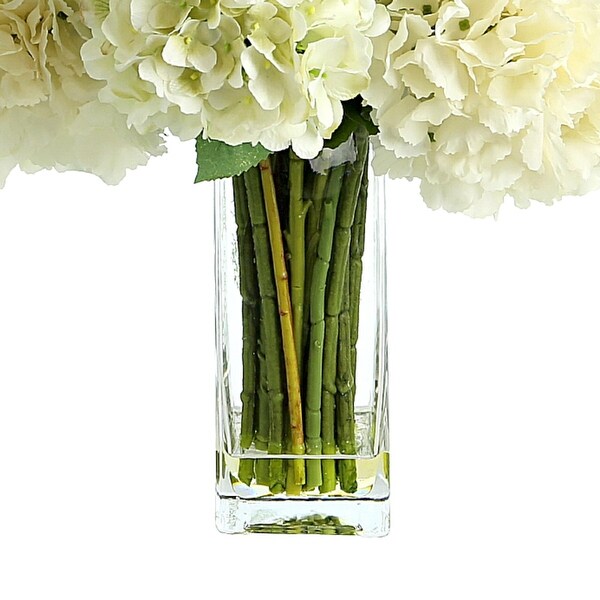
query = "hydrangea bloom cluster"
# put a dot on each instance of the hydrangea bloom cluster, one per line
(479, 99)
(50, 115)
(270, 72)
(484, 98)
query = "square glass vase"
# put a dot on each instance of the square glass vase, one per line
(302, 442)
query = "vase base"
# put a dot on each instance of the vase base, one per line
(330, 516)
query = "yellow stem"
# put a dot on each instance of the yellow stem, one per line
(285, 315)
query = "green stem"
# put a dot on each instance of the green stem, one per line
(262, 417)
(250, 301)
(357, 249)
(328, 402)
(317, 198)
(345, 398)
(261, 442)
(297, 215)
(346, 414)
(246, 470)
(313, 224)
(317, 327)
(335, 287)
(270, 331)
(343, 226)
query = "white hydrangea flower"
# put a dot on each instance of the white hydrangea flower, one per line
(50, 115)
(113, 55)
(270, 72)
(481, 99)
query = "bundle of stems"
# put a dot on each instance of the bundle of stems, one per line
(301, 238)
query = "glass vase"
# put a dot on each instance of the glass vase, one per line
(301, 340)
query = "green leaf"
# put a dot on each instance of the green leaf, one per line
(355, 117)
(217, 160)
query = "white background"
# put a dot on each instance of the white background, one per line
(106, 403)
